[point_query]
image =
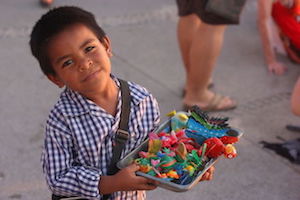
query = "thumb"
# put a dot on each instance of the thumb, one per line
(133, 167)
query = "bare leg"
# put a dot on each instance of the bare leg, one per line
(200, 45)
(186, 30)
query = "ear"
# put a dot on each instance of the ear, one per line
(56, 80)
(107, 46)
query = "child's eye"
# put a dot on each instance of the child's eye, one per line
(67, 63)
(88, 49)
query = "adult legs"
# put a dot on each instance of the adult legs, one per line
(186, 30)
(200, 45)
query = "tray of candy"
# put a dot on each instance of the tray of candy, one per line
(201, 146)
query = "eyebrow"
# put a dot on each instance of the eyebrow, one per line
(86, 42)
(58, 60)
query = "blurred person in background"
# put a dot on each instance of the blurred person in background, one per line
(289, 148)
(295, 100)
(279, 26)
(200, 41)
(295, 106)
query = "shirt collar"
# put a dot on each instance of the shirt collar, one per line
(75, 104)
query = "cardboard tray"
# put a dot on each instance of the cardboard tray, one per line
(129, 158)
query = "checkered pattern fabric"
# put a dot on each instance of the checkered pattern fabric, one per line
(79, 137)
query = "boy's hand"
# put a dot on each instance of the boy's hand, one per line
(130, 181)
(208, 175)
(126, 180)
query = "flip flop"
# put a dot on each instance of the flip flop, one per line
(213, 105)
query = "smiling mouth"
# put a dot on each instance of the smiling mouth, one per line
(91, 76)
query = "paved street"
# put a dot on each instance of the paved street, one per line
(143, 35)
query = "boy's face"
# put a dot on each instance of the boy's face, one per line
(80, 60)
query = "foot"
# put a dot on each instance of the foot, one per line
(215, 103)
(209, 86)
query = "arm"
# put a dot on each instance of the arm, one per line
(264, 19)
(63, 176)
(68, 179)
(126, 179)
(295, 100)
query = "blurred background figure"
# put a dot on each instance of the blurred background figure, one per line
(295, 106)
(289, 148)
(280, 31)
(200, 41)
(295, 100)
(46, 3)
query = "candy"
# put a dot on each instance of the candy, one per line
(182, 149)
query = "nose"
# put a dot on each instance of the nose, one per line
(85, 64)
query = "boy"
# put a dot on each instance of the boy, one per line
(74, 52)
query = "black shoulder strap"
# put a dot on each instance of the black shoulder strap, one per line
(122, 134)
(125, 107)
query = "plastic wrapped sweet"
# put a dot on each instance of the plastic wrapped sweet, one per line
(184, 147)
(179, 152)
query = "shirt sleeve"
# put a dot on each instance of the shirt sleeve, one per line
(156, 112)
(63, 175)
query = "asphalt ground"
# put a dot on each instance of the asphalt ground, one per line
(143, 35)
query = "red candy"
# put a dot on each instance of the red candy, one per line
(229, 139)
(215, 147)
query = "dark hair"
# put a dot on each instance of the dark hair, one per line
(52, 23)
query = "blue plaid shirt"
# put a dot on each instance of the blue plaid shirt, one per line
(79, 137)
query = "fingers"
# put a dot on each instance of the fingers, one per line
(211, 172)
(280, 71)
(277, 68)
(147, 187)
(147, 184)
(208, 175)
(153, 182)
(143, 180)
(128, 180)
(133, 167)
(204, 177)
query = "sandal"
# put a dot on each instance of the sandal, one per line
(214, 104)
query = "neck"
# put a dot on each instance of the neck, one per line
(107, 98)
